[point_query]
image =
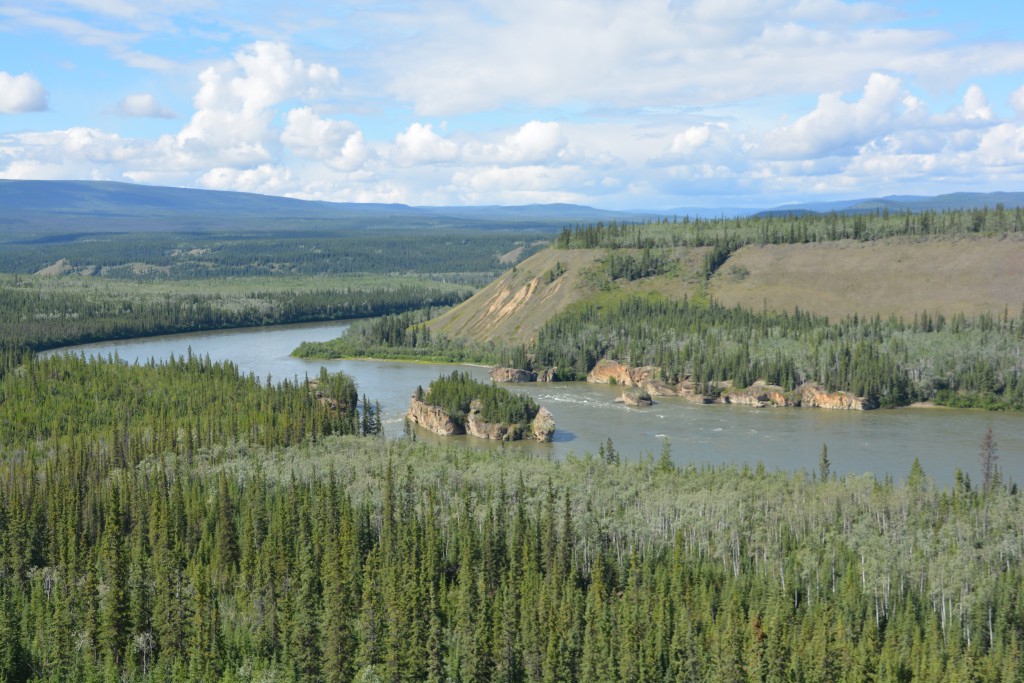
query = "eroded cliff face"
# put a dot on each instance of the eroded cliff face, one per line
(475, 426)
(609, 371)
(814, 396)
(513, 375)
(432, 418)
(759, 394)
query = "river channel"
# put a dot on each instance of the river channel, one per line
(881, 442)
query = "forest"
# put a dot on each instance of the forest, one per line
(963, 361)
(465, 255)
(40, 315)
(193, 525)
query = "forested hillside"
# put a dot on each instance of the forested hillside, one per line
(648, 294)
(140, 551)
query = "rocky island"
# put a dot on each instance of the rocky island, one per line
(458, 404)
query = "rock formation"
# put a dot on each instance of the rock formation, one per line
(512, 375)
(645, 379)
(814, 396)
(543, 426)
(500, 374)
(475, 426)
(433, 418)
(635, 398)
(761, 394)
(439, 422)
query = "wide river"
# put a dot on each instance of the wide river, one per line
(880, 442)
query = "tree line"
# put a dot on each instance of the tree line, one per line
(399, 336)
(789, 228)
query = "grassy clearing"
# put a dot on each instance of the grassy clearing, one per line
(902, 277)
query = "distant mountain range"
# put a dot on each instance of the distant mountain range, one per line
(48, 207)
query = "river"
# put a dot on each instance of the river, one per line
(881, 442)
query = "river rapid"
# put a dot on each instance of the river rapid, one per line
(880, 442)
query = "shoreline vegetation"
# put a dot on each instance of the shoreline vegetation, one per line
(887, 363)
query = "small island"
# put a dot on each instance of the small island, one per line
(459, 404)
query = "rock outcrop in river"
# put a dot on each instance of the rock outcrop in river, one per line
(436, 420)
(759, 394)
(514, 375)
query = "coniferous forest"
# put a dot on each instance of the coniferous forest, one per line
(189, 524)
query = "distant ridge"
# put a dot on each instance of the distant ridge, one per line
(912, 203)
(66, 207)
(81, 206)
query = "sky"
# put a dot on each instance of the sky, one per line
(618, 104)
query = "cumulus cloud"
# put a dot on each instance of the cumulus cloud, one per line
(521, 184)
(143, 105)
(836, 126)
(1017, 100)
(690, 140)
(19, 94)
(339, 144)
(534, 142)
(235, 104)
(419, 144)
(264, 179)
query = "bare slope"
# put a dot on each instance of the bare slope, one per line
(513, 307)
(902, 277)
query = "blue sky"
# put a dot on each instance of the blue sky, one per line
(638, 104)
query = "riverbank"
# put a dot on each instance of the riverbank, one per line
(882, 442)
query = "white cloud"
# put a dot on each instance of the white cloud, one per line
(690, 140)
(339, 144)
(522, 184)
(19, 94)
(235, 104)
(975, 106)
(143, 105)
(535, 142)
(838, 127)
(264, 179)
(1017, 100)
(419, 144)
(1002, 146)
(478, 57)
